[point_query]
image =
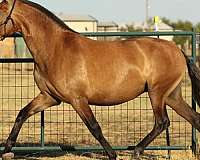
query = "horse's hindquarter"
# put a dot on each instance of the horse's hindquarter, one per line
(167, 64)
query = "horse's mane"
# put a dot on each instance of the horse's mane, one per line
(49, 14)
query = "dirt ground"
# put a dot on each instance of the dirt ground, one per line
(150, 155)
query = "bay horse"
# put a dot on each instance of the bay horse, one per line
(80, 71)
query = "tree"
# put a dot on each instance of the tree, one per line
(180, 26)
(197, 27)
(167, 21)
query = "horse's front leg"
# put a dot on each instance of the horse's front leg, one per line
(82, 108)
(38, 104)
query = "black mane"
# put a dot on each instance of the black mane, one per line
(49, 14)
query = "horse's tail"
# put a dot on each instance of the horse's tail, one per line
(194, 73)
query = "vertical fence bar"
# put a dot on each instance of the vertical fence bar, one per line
(194, 137)
(167, 135)
(42, 130)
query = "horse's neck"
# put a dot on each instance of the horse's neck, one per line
(38, 31)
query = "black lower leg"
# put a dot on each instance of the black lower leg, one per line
(15, 131)
(97, 133)
(159, 126)
(84, 111)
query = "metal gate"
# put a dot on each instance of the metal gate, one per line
(60, 128)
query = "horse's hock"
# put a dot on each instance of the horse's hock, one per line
(123, 125)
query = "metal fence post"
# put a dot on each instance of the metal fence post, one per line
(194, 137)
(42, 130)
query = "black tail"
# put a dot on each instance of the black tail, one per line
(194, 73)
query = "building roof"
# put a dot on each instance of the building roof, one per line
(122, 24)
(76, 18)
(143, 25)
(163, 26)
(107, 24)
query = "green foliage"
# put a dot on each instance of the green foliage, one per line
(180, 26)
(197, 27)
(183, 26)
(167, 21)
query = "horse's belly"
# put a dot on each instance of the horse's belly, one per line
(117, 95)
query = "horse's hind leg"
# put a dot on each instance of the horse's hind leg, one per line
(82, 108)
(176, 102)
(161, 121)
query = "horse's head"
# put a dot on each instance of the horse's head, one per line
(7, 25)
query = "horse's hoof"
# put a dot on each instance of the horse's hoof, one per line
(113, 158)
(137, 153)
(7, 156)
(136, 156)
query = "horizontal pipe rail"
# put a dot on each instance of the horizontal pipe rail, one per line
(88, 149)
(16, 60)
(125, 34)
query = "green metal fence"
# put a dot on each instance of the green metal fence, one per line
(60, 128)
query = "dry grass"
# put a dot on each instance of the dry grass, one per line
(150, 155)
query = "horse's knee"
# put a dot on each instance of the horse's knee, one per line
(96, 127)
(196, 122)
(24, 113)
(96, 130)
(162, 125)
(166, 123)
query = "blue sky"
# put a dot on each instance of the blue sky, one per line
(127, 10)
